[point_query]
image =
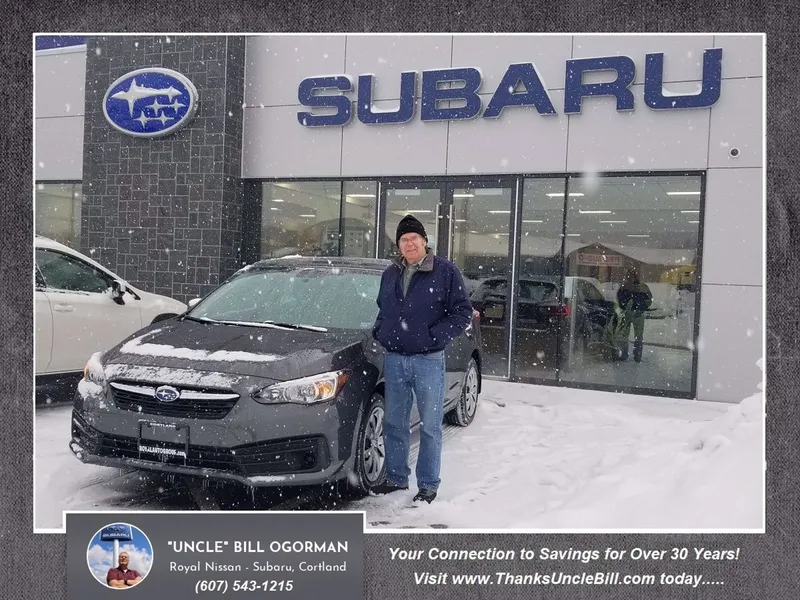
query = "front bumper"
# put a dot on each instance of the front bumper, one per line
(293, 461)
(245, 441)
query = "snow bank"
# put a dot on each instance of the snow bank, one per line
(713, 480)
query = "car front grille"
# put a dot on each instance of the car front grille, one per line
(193, 403)
(274, 457)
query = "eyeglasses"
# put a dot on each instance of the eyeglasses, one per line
(417, 239)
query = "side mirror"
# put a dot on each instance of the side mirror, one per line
(193, 302)
(117, 291)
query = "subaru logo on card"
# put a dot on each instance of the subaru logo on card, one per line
(117, 531)
(150, 102)
(167, 393)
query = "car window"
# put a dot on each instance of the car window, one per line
(497, 287)
(319, 296)
(490, 287)
(538, 291)
(590, 292)
(63, 272)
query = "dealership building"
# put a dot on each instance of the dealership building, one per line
(550, 165)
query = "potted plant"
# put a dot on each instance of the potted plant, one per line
(615, 334)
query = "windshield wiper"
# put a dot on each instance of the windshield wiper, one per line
(268, 324)
(298, 326)
(201, 319)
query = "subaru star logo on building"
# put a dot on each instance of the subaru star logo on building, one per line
(167, 393)
(150, 102)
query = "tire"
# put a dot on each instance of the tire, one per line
(370, 463)
(464, 411)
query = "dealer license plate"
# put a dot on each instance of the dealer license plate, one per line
(166, 440)
(494, 311)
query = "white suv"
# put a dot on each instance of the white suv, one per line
(82, 308)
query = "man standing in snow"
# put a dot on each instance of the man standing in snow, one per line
(423, 305)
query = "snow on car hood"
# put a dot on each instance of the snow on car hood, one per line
(137, 346)
(159, 375)
(238, 350)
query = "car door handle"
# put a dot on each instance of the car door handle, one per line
(64, 308)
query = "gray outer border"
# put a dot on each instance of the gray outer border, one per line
(766, 570)
(194, 99)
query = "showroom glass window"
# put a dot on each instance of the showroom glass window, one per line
(539, 326)
(58, 212)
(481, 248)
(359, 211)
(300, 217)
(631, 282)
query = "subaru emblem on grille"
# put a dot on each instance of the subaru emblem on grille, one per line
(167, 393)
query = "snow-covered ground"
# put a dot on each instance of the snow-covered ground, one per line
(534, 458)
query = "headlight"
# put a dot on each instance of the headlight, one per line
(308, 390)
(93, 371)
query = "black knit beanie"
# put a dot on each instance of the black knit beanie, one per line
(410, 224)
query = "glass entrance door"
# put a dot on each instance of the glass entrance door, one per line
(470, 223)
(479, 221)
(421, 199)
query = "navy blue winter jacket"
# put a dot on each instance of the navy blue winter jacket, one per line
(433, 312)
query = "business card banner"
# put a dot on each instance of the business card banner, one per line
(298, 556)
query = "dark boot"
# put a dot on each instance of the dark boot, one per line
(387, 487)
(427, 495)
(637, 351)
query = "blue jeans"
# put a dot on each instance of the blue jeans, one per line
(424, 375)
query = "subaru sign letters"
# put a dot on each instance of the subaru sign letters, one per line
(520, 86)
(118, 531)
(150, 102)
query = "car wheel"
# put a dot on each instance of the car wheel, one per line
(464, 411)
(370, 465)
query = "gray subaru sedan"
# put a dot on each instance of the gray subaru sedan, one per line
(273, 379)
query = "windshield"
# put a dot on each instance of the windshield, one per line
(317, 297)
